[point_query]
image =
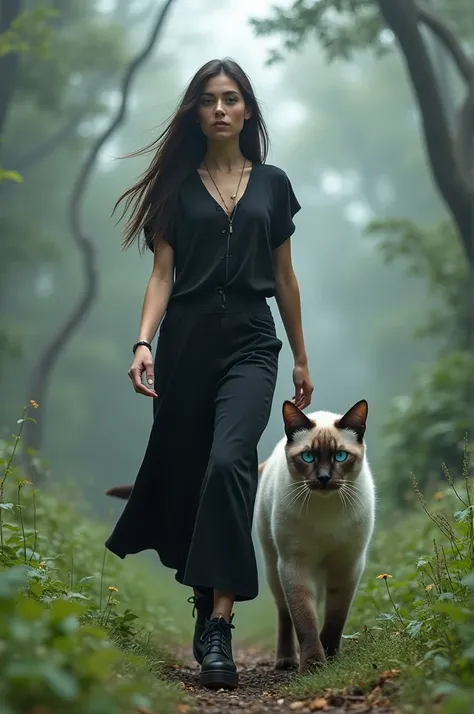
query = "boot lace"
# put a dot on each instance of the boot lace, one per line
(217, 637)
(201, 605)
(193, 601)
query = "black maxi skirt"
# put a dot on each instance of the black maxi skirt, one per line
(193, 499)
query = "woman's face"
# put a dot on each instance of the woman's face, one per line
(221, 108)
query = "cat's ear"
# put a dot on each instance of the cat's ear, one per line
(295, 420)
(355, 419)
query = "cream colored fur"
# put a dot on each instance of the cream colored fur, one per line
(314, 542)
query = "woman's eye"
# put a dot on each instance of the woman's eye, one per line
(308, 457)
(341, 455)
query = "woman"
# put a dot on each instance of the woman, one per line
(218, 221)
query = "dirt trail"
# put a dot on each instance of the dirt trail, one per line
(260, 688)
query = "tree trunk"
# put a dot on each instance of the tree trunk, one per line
(43, 369)
(458, 193)
(9, 63)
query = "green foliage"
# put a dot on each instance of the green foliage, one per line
(6, 175)
(66, 640)
(425, 605)
(460, 15)
(428, 427)
(345, 27)
(436, 254)
(436, 415)
(30, 33)
(67, 55)
(88, 48)
(342, 27)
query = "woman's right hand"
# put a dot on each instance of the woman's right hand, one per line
(142, 362)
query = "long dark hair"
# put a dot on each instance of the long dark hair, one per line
(179, 150)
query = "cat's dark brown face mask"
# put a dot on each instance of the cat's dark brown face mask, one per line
(325, 457)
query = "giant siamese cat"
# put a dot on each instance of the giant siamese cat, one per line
(314, 516)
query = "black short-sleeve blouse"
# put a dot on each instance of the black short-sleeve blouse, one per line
(208, 257)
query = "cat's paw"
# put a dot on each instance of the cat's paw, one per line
(308, 664)
(285, 663)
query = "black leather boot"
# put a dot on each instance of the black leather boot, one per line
(202, 610)
(218, 669)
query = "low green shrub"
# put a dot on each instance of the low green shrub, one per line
(418, 614)
(70, 638)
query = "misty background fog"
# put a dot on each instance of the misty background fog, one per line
(348, 135)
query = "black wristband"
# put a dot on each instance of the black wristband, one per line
(142, 342)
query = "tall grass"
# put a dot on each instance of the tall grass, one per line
(70, 636)
(416, 614)
(80, 631)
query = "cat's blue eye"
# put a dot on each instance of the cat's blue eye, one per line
(308, 457)
(341, 455)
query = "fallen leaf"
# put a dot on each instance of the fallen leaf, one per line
(389, 674)
(319, 704)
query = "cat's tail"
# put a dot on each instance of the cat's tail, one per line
(124, 492)
(120, 491)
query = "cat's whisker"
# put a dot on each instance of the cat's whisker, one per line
(307, 501)
(297, 483)
(355, 493)
(353, 486)
(350, 503)
(352, 500)
(306, 498)
(293, 489)
(294, 501)
(295, 498)
(295, 486)
(343, 499)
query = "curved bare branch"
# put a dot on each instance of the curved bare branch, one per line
(458, 193)
(451, 43)
(42, 371)
(453, 46)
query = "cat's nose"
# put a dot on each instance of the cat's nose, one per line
(324, 478)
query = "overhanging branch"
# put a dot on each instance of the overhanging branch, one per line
(64, 132)
(458, 193)
(451, 43)
(42, 371)
(464, 139)
(71, 123)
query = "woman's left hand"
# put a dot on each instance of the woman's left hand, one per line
(303, 386)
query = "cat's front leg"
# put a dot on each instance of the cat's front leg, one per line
(299, 589)
(340, 590)
(285, 646)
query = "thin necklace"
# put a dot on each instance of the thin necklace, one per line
(233, 197)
